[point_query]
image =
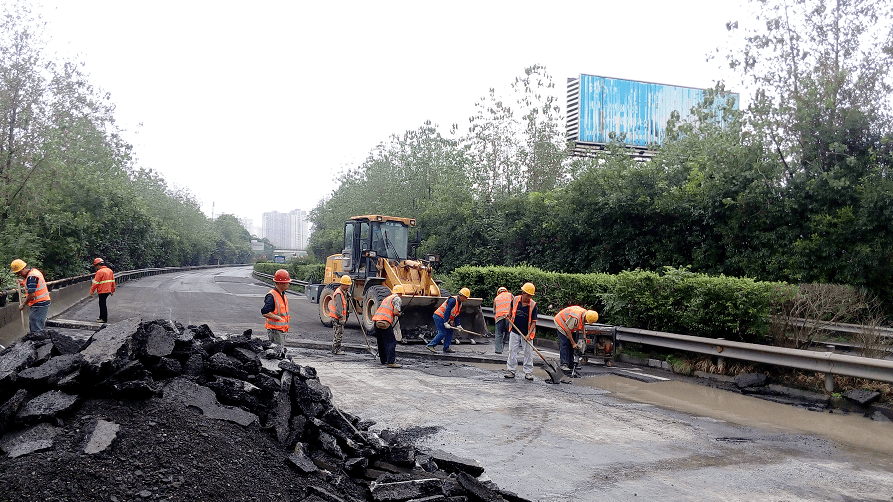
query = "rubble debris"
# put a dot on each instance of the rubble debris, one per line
(239, 378)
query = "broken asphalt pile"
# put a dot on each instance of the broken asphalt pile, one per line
(114, 417)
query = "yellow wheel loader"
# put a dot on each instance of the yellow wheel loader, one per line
(375, 256)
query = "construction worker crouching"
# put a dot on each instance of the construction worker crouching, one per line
(385, 317)
(445, 322)
(523, 316)
(571, 320)
(275, 309)
(502, 307)
(104, 286)
(338, 310)
(38, 295)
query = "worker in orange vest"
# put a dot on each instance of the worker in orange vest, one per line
(275, 309)
(571, 320)
(104, 286)
(38, 296)
(523, 317)
(502, 308)
(447, 316)
(385, 317)
(339, 307)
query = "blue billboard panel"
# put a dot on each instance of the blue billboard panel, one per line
(639, 110)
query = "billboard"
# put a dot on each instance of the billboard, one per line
(598, 106)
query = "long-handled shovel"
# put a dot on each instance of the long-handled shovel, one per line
(368, 345)
(551, 368)
(21, 307)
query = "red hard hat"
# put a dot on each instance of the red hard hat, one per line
(281, 275)
(97, 261)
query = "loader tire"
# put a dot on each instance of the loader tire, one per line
(372, 298)
(325, 297)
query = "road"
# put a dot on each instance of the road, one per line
(601, 438)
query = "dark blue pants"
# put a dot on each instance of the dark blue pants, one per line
(387, 345)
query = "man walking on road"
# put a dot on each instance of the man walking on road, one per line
(502, 307)
(38, 297)
(523, 316)
(385, 317)
(275, 309)
(453, 305)
(571, 320)
(338, 310)
(104, 286)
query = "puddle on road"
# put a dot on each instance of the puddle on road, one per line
(844, 429)
(847, 429)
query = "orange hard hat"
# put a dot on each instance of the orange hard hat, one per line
(281, 275)
(97, 261)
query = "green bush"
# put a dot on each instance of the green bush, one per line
(675, 301)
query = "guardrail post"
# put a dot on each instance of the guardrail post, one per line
(829, 377)
(720, 360)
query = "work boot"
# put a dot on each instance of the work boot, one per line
(565, 367)
(338, 352)
(432, 349)
(393, 365)
(509, 374)
(448, 350)
(528, 376)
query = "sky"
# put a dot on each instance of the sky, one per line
(257, 106)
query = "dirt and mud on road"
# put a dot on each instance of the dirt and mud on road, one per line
(609, 438)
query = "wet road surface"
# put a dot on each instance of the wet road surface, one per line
(604, 437)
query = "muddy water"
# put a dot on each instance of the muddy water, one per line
(846, 429)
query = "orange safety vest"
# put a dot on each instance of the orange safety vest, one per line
(281, 310)
(531, 322)
(566, 314)
(332, 313)
(441, 311)
(41, 294)
(502, 305)
(385, 311)
(103, 281)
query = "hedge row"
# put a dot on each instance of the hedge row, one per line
(673, 301)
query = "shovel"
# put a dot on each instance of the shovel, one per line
(368, 346)
(21, 310)
(463, 330)
(550, 367)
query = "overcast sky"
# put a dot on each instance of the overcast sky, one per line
(256, 106)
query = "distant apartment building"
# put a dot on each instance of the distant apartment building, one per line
(286, 230)
(247, 224)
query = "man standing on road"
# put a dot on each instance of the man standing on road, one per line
(338, 310)
(571, 320)
(104, 286)
(502, 307)
(453, 305)
(523, 316)
(275, 309)
(38, 297)
(385, 317)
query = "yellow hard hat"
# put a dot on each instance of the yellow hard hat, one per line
(591, 316)
(465, 292)
(398, 289)
(501, 289)
(528, 288)
(345, 279)
(17, 265)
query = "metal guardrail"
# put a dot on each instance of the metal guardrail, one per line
(270, 278)
(823, 362)
(119, 277)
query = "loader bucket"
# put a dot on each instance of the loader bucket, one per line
(417, 322)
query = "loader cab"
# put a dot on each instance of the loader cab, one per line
(368, 238)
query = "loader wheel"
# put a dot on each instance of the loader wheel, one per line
(372, 298)
(325, 298)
